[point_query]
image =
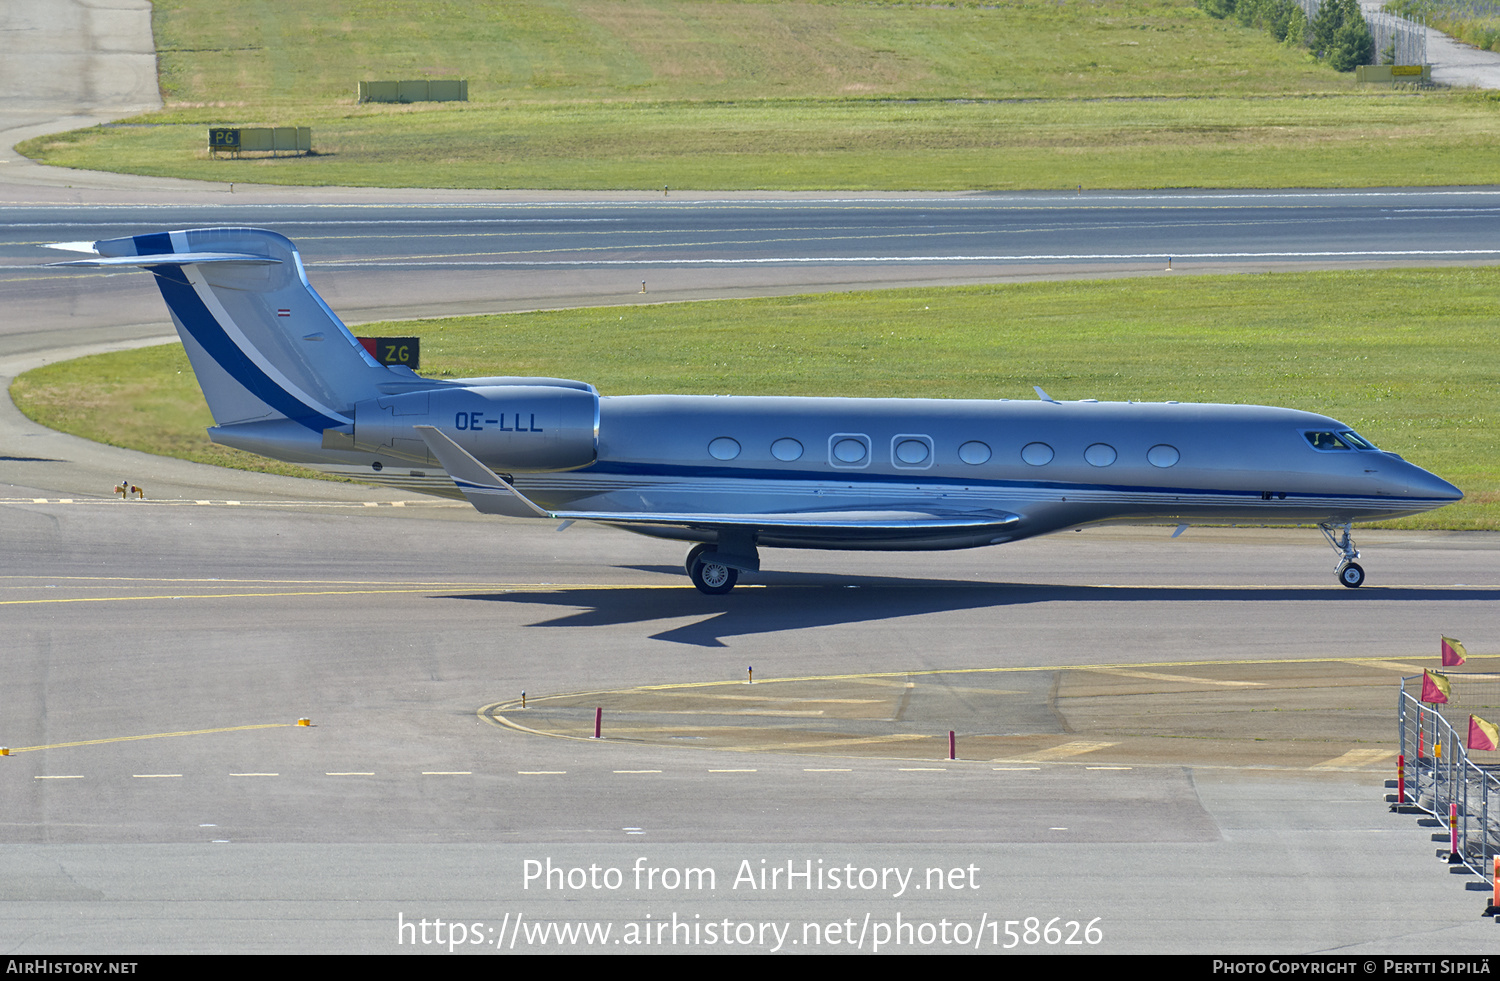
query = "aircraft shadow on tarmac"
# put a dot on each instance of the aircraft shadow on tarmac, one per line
(798, 601)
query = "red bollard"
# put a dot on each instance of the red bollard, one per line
(952, 746)
(598, 718)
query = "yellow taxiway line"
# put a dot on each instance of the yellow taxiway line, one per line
(150, 735)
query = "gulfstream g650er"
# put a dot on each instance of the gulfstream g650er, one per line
(285, 378)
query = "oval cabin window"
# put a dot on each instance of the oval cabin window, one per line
(1100, 455)
(786, 450)
(911, 452)
(724, 448)
(1037, 454)
(974, 452)
(849, 451)
(1162, 455)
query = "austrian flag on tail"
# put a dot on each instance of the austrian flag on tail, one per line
(1453, 653)
(1434, 688)
(1482, 734)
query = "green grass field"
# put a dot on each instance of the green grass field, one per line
(1401, 356)
(603, 94)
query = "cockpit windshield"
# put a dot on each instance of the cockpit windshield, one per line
(1343, 440)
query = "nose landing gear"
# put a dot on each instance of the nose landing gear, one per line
(1349, 572)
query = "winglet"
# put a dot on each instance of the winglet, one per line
(489, 492)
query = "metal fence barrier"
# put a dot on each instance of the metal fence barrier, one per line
(1395, 35)
(1390, 31)
(416, 90)
(1441, 777)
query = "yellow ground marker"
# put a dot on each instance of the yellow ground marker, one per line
(1397, 666)
(1075, 748)
(1356, 757)
(1179, 678)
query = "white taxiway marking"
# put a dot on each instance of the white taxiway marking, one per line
(917, 259)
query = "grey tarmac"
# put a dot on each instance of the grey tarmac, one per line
(160, 796)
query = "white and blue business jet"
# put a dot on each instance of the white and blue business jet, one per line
(285, 378)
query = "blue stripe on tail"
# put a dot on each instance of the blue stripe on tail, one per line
(198, 321)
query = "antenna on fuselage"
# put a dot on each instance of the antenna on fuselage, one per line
(1041, 394)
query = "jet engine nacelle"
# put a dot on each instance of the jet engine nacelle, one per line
(509, 428)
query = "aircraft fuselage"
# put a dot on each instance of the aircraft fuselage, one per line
(286, 379)
(1055, 464)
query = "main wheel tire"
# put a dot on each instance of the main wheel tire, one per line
(1352, 575)
(692, 556)
(712, 577)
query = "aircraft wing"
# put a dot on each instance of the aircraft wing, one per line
(492, 494)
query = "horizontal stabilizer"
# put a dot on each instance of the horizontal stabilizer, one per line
(172, 259)
(86, 247)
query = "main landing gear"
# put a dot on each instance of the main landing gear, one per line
(715, 568)
(1349, 572)
(711, 577)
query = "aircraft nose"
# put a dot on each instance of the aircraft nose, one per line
(1446, 491)
(1416, 482)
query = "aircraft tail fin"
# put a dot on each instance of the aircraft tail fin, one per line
(262, 342)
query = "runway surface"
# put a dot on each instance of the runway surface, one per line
(430, 259)
(1163, 745)
(161, 797)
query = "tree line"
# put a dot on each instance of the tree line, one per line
(1337, 34)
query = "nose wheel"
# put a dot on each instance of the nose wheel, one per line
(1349, 572)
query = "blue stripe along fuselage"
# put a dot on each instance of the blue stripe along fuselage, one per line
(925, 479)
(1116, 501)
